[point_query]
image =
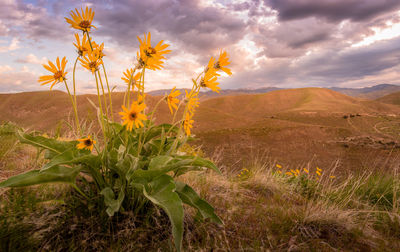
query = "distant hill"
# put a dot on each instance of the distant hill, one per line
(43, 110)
(393, 98)
(208, 94)
(373, 92)
(292, 100)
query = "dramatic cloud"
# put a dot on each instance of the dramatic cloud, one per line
(287, 43)
(333, 10)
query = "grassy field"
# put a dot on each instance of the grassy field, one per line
(255, 140)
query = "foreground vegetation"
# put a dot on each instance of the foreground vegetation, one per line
(263, 206)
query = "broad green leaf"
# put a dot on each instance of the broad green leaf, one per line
(200, 162)
(73, 156)
(126, 166)
(53, 146)
(113, 205)
(161, 191)
(159, 162)
(190, 197)
(157, 131)
(34, 177)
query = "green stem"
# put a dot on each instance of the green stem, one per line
(155, 107)
(104, 96)
(109, 93)
(74, 106)
(101, 109)
(73, 80)
(79, 191)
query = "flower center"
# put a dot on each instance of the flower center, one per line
(84, 24)
(88, 142)
(93, 65)
(58, 75)
(202, 83)
(217, 65)
(132, 116)
(150, 51)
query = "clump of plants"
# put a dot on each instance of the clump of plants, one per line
(136, 162)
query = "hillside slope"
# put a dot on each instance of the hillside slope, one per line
(393, 98)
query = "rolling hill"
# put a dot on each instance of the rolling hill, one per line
(295, 125)
(393, 98)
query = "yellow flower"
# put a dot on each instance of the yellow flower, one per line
(318, 173)
(172, 101)
(91, 61)
(332, 177)
(297, 171)
(193, 101)
(98, 50)
(152, 56)
(222, 62)
(319, 169)
(188, 123)
(135, 79)
(289, 173)
(58, 72)
(279, 172)
(140, 98)
(279, 166)
(133, 116)
(81, 21)
(210, 77)
(82, 48)
(306, 170)
(86, 143)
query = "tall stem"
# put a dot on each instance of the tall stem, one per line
(73, 80)
(109, 93)
(101, 109)
(74, 106)
(104, 95)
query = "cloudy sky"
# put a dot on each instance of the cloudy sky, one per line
(282, 43)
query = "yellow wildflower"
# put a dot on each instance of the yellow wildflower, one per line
(172, 101)
(81, 21)
(152, 56)
(210, 77)
(58, 72)
(319, 169)
(84, 47)
(222, 62)
(140, 98)
(278, 166)
(86, 143)
(289, 173)
(193, 101)
(91, 61)
(98, 50)
(318, 173)
(305, 170)
(188, 123)
(135, 79)
(332, 177)
(133, 116)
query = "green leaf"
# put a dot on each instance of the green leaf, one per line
(159, 162)
(73, 156)
(190, 197)
(34, 177)
(53, 146)
(161, 191)
(200, 162)
(157, 131)
(113, 205)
